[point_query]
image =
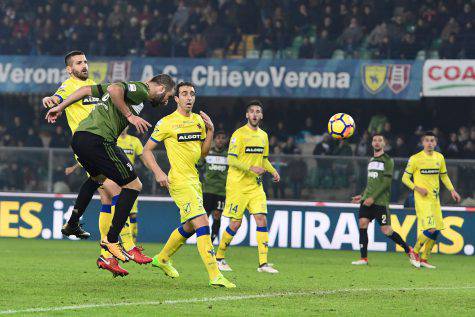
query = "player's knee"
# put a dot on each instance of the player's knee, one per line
(235, 225)
(261, 220)
(136, 184)
(363, 223)
(111, 188)
(387, 230)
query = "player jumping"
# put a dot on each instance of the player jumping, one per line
(77, 67)
(187, 137)
(94, 142)
(375, 202)
(214, 183)
(247, 159)
(426, 167)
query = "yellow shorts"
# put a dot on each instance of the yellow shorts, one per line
(237, 203)
(135, 208)
(429, 215)
(189, 199)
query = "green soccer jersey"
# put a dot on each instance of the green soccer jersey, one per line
(380, 173)
(106, 119)
(216, 171)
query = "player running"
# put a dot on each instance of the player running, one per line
(375, 202)
(426, 167)
(187, 137)
(214, 183)
(247, 159)
(77, 67)
(94, 142)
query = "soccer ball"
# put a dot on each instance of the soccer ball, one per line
(341, 126)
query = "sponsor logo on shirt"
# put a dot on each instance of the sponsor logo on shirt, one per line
(128, 151)
(254, 149)
(430, 171)
(190, 136)
(89, 100)
(376, 166)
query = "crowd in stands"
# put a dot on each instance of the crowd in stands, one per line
(402, 29)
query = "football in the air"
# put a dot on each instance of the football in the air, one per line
(341, 126)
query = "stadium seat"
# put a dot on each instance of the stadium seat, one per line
(252, 54)
(434, 54)
(267, 54)
(248, 40)
(421, 55)
(338, 54)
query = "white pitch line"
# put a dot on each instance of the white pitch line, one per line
(231, 298)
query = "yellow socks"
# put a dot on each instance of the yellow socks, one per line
(133, 226)
(226, 239)
(206, 250)
(126, 237)
(429, 244)
(105, 220)
(175, 241)
(262, 244)
(421, 240)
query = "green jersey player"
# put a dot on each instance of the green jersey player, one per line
(94, 142)
(375, 201)
(215, 167)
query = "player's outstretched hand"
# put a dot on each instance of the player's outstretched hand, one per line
(356, 199)
(48, 102)
(207, 120)
(162, 179)
(140, 124)
(53, 114)
(257, 169)
(455, 196)
(275, 177)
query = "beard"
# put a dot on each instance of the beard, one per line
(159, 100)
(83, 74)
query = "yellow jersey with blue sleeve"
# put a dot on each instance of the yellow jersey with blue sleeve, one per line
(131, 146)
(427, 171)
(244, 191)
(183, 137)
(79, 110)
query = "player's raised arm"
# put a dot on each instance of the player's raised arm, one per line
(116, 92)
(209, 132)
(56, 111)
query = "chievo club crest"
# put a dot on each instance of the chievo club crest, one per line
(395, 76)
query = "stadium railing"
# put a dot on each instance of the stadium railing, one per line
(303, 177)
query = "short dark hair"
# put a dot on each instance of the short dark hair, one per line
(183, 84)
(254, 102)
(220, 132)
(429, 133)
(378, 134)
(164, 80)
(67, 58)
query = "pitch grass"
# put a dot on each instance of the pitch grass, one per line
(45, 274)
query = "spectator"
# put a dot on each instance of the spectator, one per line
(297, 171)
(325, 147)
(265, 39)
(342, 149)
(409, 47)
(452, 27)
(32, 139)
(301, 20)
(306, 49)
(280, 165)
(180, 17)
(364, 145)
(351, 36)
(290, 147)
(378, 34)
(59, 138)
(454, 147)
(449, 49)
(376, 123)
(197, 46)
(324, 47)
(401, 149)
(307, 133)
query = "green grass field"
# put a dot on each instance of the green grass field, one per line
(60, 278)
